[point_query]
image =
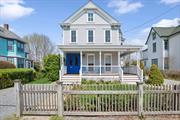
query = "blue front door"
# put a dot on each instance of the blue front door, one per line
(73, 63)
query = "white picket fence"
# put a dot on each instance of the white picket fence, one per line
(97, 99)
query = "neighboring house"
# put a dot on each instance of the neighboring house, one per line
(93, 47)
(163, 47)
(12, 48)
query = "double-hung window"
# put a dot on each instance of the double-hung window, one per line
(10, 45)
(10, 59)
(107, 36)
(154, 47)
(90, 36)
(90, 17)
(166, 45)
(20, 47)
(73, 36)
(154, 35)
(155, 61)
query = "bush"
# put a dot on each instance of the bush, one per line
(155, 76)
(8, 75)
(37, 66)
(52, 66)
(6, 64)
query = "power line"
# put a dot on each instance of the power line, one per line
(148, 21)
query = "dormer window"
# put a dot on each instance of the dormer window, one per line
(90, 16)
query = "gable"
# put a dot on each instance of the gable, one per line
(79, 14)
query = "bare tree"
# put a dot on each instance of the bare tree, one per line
(38, 46)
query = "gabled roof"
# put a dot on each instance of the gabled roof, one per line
(164, 31)
(90, 6)
(10, 35)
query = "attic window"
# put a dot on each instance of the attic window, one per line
(90, 16)
(154, 35)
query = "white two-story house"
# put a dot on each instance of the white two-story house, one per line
(93, 47)
(163, 47)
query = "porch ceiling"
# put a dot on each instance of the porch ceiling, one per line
(126, 48)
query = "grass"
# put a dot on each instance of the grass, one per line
(56, 118)
(12, 118)
(40, 81)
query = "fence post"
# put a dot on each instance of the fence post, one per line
(140, 98)
(17, 86)
(60, 98)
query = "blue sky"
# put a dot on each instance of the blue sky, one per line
(44, 16)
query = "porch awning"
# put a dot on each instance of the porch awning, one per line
(125, 48)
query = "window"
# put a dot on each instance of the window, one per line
(90, 17)
(20, 62)
(107, 36)
(10, 59)
(166, 63)
(73, 36)
(20, 47)
(10, 45)
(90, 36)
(91, 62)
(107, 61)
(166, 45)
(154, 47)
(154, 35)
(155, 61)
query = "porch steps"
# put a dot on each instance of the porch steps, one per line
(130, 79)
(71, 79)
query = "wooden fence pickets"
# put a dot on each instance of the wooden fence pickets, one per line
(97, 99)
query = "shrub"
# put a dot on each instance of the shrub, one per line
(6, 64)
(8, 75)
(155, 76)
(52, 66)
(37, 66)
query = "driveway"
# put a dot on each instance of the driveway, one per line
(7, 102)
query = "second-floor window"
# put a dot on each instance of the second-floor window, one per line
(166, 45)
(155, 61)
(90, 36)
(154, 47)
(10, 45)
(154, 35)
(90, 17)
(107, 36)
(20, 47)
(73, 36)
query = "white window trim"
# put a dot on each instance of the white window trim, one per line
(90, 54)
(108, 54)
(105, 36)
(76, 36)
(87, 16)
(87, 37)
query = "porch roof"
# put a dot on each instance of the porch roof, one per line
(92, 47)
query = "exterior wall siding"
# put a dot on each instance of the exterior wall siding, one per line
(159, 51)
(174, 56)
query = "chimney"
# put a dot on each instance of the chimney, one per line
(6, 26)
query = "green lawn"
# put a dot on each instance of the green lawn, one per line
(41, 81)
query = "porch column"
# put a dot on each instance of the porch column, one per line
(62, 59)
(119, 62)
(100, 62)
(81, 62)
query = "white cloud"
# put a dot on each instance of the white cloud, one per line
(13, 9)
(167, 23)
(123, 6)
(141, 37)
(170, 1)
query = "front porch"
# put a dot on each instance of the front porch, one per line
(99, 64)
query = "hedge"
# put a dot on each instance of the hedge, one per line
(8, 75)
